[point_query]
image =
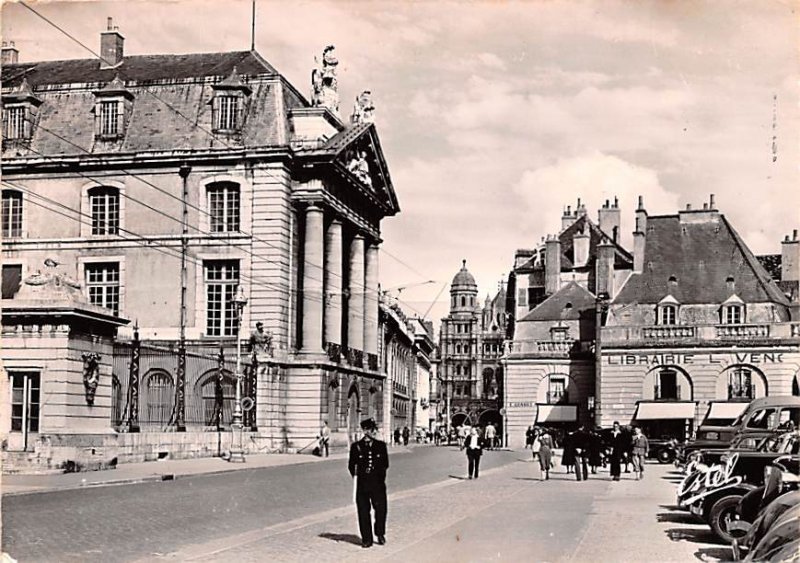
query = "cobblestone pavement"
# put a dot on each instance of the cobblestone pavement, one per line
(506, 515)
(126, 522)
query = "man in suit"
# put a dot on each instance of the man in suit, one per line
(619, 443)
(474, 446)
(580, 441)
(369, 460)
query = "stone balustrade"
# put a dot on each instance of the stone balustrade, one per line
(699, 333)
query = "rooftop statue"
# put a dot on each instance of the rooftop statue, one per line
(324, 83)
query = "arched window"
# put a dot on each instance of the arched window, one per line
(12, 214)
(740, 384)
(223, 207)
(463, 301)
(557, 389)
(104, 210)
(458, 369)
(159, 397)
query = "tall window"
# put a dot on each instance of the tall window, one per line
(104, 207)
(209, 398)
(222, 281)
(732, 314)
(110, 118)
(227, 113)
(12, 279)
(102, 283)
(14, 123)
(159, 398)
(667, 315)
(557, 390)
(12, 214)
(667, 387)
(223, 207)
(740, 384)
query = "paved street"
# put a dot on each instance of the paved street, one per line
(304, 512)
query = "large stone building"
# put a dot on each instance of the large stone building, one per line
(165, 184)
(699, 322)
(690, 322)
(470, 346)
(552, 289)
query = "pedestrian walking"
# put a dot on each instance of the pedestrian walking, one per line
(580, 444)
(640, 446)
(474, 446)
(568, 457)
(397, 436)
(618, 445)
(491, 433)
(595, 450)
(406, 435)
(545, 453)
(536, 443)
(368, 463)
(530, 434)
(324, 438)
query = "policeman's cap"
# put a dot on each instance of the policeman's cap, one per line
(369, 424)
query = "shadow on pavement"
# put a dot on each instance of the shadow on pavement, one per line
(677, 518)
(347, 538)
(457, 477)
(696, 535)
(714, 554)
(671, 507)
(526, 479)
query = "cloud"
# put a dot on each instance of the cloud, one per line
(593, 178)
(492, 61)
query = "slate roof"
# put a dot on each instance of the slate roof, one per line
(772, 264)
(701, 255)
(137, 68)
(555, 306)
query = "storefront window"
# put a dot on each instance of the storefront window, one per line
(740, 384)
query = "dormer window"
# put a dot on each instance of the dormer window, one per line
(732, 314)
(732, 311)
(227, 113)
(667, 311)
(20, 107)
(111, 116)
(113, 106)
(228, 104)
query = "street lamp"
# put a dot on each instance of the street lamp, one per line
(237, 448)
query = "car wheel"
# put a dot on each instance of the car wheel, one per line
(665, 456)
(722, 514)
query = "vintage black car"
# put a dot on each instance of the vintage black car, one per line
(713, 493)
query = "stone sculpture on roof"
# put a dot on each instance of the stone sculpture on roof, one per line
(363, 109)
(359, 166)
(324, 82)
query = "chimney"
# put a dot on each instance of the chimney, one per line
(10, 54)
(580, 209)
(638, 248)
(522, 256)
(790, 258)
(552, 265)
(111, 46)
(605, 268)
(608, 219)
(730, 284)
(567, 219)
(580, 248)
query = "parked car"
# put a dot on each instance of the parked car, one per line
(712, 493)
(765, 415)
(781, 542)
(665, 450)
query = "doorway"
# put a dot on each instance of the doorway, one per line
(25, 398)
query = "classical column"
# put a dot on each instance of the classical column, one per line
(312, 280)
(355, 321)
(334, 273)
(371, 301)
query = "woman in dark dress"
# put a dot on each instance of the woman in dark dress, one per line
(595, 447)
(568, 458)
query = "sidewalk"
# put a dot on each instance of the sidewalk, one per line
(163, 470)
(506, 515)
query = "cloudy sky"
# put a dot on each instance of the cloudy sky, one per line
(493, 115)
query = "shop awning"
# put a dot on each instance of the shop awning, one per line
(726, 410)
(557, 413)
(668, 410)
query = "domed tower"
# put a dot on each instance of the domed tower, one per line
(463, 291)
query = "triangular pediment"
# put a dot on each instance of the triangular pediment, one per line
(358, 150)
(669, 300)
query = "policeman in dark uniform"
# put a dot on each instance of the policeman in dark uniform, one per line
(368, 463)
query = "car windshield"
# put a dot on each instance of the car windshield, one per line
(746, 443)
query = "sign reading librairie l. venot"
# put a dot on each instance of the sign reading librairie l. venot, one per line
(689, 359)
